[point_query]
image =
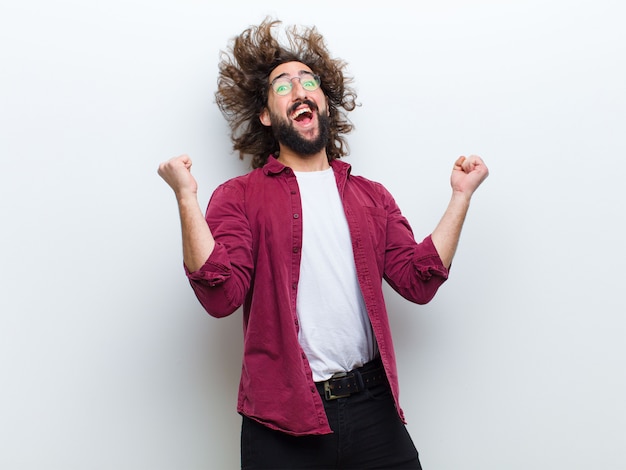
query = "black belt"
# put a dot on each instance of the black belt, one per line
(344, 384)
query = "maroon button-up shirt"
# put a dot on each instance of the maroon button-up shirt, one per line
(257, 224)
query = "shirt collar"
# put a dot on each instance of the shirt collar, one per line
(274, 167)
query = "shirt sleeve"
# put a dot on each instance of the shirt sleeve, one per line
(413, 269)
(222, 283)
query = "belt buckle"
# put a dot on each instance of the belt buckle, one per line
(328, 392)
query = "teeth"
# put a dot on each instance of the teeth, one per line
(300, 111)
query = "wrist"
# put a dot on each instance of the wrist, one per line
(461, 197)
(185, 192)
(186, 198)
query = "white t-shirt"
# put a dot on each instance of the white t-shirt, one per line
(335, 331)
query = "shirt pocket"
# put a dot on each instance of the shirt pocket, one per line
(377, 230)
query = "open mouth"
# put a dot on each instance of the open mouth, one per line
(303, 113)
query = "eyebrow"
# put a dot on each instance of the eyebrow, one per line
(285, 74)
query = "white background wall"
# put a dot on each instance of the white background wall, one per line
(107, 361)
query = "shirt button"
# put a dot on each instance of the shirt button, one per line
(288, 171)
(295, 249)
(295, 216)
(293, 192)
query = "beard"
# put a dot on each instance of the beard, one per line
(288, 136)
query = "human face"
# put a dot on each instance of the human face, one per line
(299, 118)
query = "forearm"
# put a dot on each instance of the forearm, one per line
(198, 242)
(448, 232)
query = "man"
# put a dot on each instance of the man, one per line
(304, 246)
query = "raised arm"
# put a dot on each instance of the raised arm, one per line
(198, 242)
(468, 173)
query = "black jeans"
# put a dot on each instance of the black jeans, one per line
(367, 434)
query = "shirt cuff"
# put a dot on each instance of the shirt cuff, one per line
(215, 270)
(429, 264)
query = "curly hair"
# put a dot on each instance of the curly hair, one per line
(242, 86)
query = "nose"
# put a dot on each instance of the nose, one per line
(297, 89)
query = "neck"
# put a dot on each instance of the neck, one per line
(297, 162)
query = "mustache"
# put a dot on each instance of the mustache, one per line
(309, 103)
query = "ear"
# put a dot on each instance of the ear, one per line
(264, 117)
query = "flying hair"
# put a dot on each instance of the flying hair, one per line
(243, 86)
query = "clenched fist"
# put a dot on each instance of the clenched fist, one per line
(468, 173)
(177, 173)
